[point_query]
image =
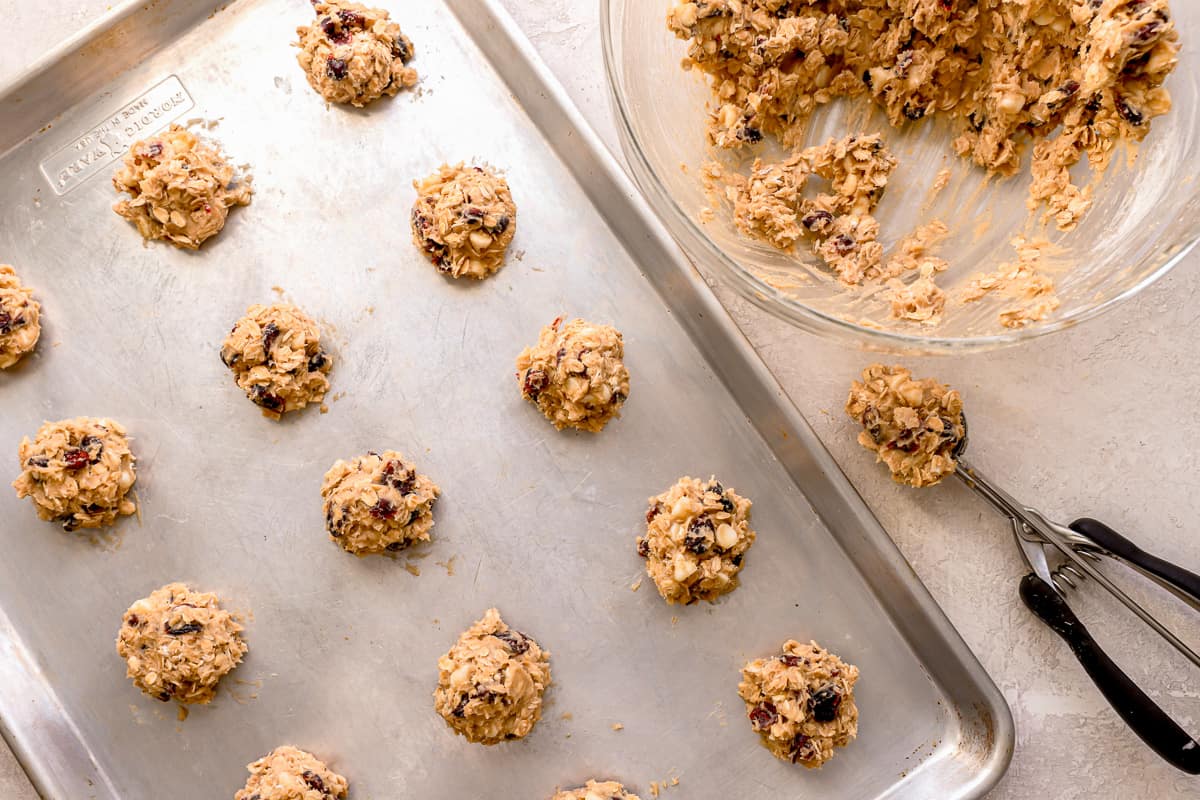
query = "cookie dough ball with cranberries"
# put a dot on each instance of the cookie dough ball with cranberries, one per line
(276, 358)
(697, 534)
(464, 219)
(491, 683)
(288, 773)
(178, 644)
(378, 503)
(355, 54)
(576, 374)
(20, 327)
(78, 472)
(801, 702)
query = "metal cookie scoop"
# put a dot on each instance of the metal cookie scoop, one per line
(1059, 556)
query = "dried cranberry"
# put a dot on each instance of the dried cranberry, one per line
(133, 620)
(383, 509)
(844, 244)
(460, 709)
(398, 477)
(751, 135)
(700, 535)
(402, 50)
(516, 641)
(314, 781)
(351, 19)
(41, 462)
(317, 361)
(643, 547)
(763, 716)
(913, 112)
(653, 511)
(396, 547)
(93, 446)
(473, 214)
(154, 150)
(502, 223)
(737, 560)
(1130, 114)
(76, 459)
(791, 660)
(817, 220)
(337, 69)
(180, 630)
(536, 381)
(230, 357)
(5, 322)
(269, 335)
(802, 749)
(825, 704)
(261, 397)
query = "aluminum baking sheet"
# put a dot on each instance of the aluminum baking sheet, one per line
(343, 651)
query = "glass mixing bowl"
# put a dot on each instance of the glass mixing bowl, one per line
(1145, 218)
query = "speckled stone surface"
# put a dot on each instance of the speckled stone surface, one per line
(1099, 420)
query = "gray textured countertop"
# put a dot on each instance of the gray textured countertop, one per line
(1099, 420)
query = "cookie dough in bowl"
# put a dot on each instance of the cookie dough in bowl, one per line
(697, 535)
(464, 219)
(801, 702)
(20, 326)
(288, 773)
(378, 503)
(596, 790)
(78, 472)
(355, 54)
(180, 188)
(911, 425)
(576, 374)
(491, 683)
(178, 644)
(276, 358)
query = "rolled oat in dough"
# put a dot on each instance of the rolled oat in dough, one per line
(801, 702)
(464, 219)
(178, 644)
(276, 358)
(377, 503)
(181, 188)
(355, 54)
(20, 325)
(78, 472)
(490, 684)
(288, 773)
(576, 374)
(697, 534)
(912, 426)
(595, 790)
(1074, 77)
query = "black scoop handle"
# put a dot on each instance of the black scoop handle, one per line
(1140, 713)
(1183, 580)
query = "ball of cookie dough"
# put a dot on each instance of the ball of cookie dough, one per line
(377, 503)
(288, 773)
(180, 188)
(78, 472)
(20, 327)
(464, 219)
(595, 790)
(178, 644)
(490, 684)
(355, 54)
(576, 374)
(912, 426)
(801, 702)
(276, 358)
(697, 534)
